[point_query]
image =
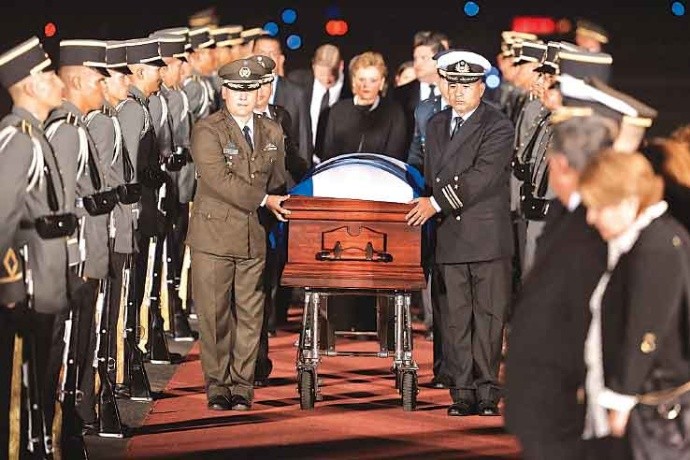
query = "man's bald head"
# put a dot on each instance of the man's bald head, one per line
(84, 87)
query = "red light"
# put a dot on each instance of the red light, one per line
(534, 25)
(49, 29)
(336, 27)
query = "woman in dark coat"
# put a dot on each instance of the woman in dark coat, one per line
(368, 122)
(636, 352)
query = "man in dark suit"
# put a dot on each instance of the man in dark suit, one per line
(426, 46)
(287, 95)
(545, 365)
(467, 170)
(324, 84)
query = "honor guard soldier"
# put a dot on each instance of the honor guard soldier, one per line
(228, 44)
(240, 160)
(467, 170)
(82, 69)
(203, 63)
(35, 222)
(144, 61)
(181, 170)
(509, 48)
(248, 37)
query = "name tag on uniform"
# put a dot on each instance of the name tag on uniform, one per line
(270, 147)
(230, 149)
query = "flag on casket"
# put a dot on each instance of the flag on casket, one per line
(362, 176)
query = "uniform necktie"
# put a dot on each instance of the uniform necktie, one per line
(248, 137)
(432, 89)
(456, 127)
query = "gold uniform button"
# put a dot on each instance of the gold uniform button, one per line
(457, 217)
(208, 216)
(438, 180)
(252, 176)
(455, 178)
(648, 344)
(676, 241)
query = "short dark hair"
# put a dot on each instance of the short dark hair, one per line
(580, 138)
(433, 39)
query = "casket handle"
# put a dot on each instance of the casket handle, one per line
(369, 254)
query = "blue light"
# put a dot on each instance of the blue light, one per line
(493, 81)
(471, 9)
(272, 28)
(678, 8)
(294, 42)
(333, 12)
(493, 71)
(289, 16)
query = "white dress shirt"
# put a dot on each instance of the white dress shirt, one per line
(317, 92)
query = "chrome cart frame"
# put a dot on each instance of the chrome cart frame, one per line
(317, 339)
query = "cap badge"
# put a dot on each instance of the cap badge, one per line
(245, 72)
(462, 67)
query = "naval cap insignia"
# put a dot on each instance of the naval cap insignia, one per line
(462, 66)
(245, 72)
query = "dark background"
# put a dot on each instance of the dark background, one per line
(650, 46)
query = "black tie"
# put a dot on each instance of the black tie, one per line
(248, 137)
(324, 102)
(432, 88)
(458, 122)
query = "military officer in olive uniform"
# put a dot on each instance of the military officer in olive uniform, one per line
(240, 161)
(33, 216)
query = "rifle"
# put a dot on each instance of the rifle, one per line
(72, 444)
(39, 439)
(135, 372)
(179, 325)
(156, 346)
(109, 423)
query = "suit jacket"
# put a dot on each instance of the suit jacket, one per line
(24, 200)
(305, 79)
(425, 110)
(547, 330)
(468, 176)
(291, 97)
(232, 182)
(645, 312)
(294, 163)
(408, 97)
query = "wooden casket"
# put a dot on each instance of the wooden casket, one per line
(351, 244)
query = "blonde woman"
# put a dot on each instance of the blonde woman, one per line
(636, 350)
(368, 122)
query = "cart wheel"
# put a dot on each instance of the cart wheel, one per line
(307, 390)
(409, 390)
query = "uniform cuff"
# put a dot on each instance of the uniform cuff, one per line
(435, 204)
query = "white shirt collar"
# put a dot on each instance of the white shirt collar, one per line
(241, 124)
(425, 90)
(625, 241)
(274, 84)
(464, 117)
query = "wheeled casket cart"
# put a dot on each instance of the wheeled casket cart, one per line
(340, 246)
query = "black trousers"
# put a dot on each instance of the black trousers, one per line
(473, 299)
(85, 299)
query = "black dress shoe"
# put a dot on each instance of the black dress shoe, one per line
(488, 408)
(240, 403)
(439, 383)
(121, 391)
(461, 409)
(261, 382)
(272, 334)
(429, 336)
(218, 402)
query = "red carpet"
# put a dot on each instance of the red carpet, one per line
(359, 417)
